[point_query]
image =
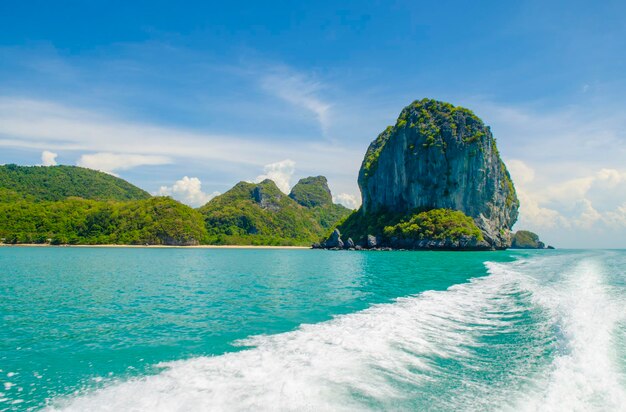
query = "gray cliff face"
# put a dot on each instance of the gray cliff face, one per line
(440, 156)
(267, 195)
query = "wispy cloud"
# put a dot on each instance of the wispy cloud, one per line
(577, 137)
(112, 162)
(299, 90)
(42, 125)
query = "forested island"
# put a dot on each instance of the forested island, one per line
(434, 180)
(77, 206)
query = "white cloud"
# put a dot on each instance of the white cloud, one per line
(617, 217)
(111, 162)
(611, 176)
(532, 213)
(349, 201)
(585, 216)
(187, 190)
(570, 189)
(42, 125)
(520, 171)
(48, 158)
(578, 203)
(280, 172)
(300, 91)
(564, 141)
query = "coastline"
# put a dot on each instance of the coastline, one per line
(156, 246)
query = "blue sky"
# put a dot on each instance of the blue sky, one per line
(188, 98)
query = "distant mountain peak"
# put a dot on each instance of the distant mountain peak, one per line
(259, 213)
(312, 191)
(268, 195)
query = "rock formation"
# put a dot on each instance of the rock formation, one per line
(524, 239)
(437, 156)
(267, 195)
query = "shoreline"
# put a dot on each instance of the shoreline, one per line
(157, 246)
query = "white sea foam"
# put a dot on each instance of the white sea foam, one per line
(584, 376)
(355, 361)
(392, 356)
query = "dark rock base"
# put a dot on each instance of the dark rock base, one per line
(465, 243)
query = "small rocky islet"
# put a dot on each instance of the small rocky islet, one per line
(525, 239)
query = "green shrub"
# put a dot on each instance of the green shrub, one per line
(434, 224)
(430, 224)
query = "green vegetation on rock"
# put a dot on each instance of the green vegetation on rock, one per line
(435, 224)
(260, 214)
(524, 239)
(358, 224)
(435, 121)
(438, 156)
(61, 182)
(373, 151)
(311, 192)
(507, 185)
(73, 205)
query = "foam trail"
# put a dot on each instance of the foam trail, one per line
(585, 375)
(534, 335)
(365, 360)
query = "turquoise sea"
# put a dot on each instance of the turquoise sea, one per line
(102, 329)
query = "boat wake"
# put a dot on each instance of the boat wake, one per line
(588, 315)
(517, 339)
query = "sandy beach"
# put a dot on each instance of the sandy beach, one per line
(158, 246)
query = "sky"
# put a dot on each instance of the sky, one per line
(187, 98)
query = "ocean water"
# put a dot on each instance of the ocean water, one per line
(206, 329)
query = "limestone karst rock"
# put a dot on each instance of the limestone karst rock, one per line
(436, 156)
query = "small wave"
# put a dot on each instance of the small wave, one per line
(584, 375)
(376, 358)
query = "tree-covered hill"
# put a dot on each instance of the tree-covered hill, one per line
(154, 221)
(260, 214)
(61, 182)
(73, 205)
(312, 191)
(314, 194)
